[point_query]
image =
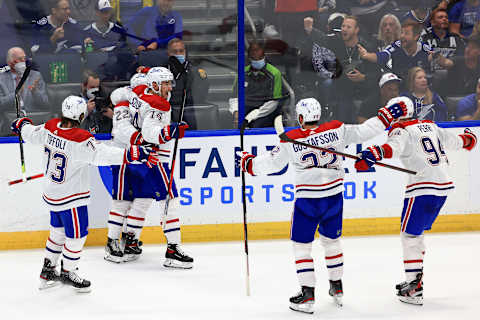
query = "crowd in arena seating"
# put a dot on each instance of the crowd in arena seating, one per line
(338, 51)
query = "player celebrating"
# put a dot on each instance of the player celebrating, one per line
(144, 118)
(420, 146)
(319, 189)
(69, 150)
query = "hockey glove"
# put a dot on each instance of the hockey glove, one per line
(469, 139)
(368, 158)
(245, 161)
(176, 130)
(137, 139)
(18, 124)
(390, 113)
(142, 154)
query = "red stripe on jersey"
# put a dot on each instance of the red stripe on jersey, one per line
(318, 185)
(140, 90)
(67, 197)
(135, 218)
(404, 124)
(71, 251)
(156, 102)
(301, 133)
(412, 261)
(71, 134)
(134, 137)
(304, 260)
(334, 257)
(75, 222)
(434, 183)
(172, 221)
(122, 104)
(116, 214)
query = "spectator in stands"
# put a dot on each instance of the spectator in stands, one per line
(158, 24)
(369, 13)
(99, 107)
(58, 32)
(464, 70)
(405, 53)
(389, 88)
(389, 30)
(428, 105)
(358, 75)
(263, 89)
(325, 8)
(420, 13)
(290, 15)
(33, 96)
(187, 77)
(463, 16)
(469, 107)
(440, 40)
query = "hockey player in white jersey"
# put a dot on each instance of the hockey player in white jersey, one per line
(69, 151)
(319, 189)
(420, 145)
(144, 118)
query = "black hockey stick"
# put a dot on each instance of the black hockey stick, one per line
(283, 136)
(172, 166)
(17, 109)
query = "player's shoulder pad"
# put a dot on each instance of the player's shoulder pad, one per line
(156, 102)
(74, 134)
(43, 21)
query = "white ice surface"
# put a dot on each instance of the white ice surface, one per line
(215, 288)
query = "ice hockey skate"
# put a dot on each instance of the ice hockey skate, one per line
(411, 292)
(176, 258)
(71, 278)
(336, 291)
(304, 300)
(49, 277)
(132, 249)
(113, 251)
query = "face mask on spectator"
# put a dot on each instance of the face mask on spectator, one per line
(91, 92)
(180, 58)
(20, 67)
(258, 64)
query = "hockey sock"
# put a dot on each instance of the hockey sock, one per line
(136, 215)
(304, 263)
(413, 249)
(72, 249)
(116, 217)
(171, 229)
(333, 257)
(53, 247)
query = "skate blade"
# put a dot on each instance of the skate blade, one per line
(304, 307)
(82, 290)
(418, 301)
(115, 259)
(130, 257)
(170, 263)
(47, 284)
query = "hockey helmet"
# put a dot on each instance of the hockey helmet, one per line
(156, 76)
(407, 102)
(120, 94)
(309, 109)
(73, 107)
(138, 79)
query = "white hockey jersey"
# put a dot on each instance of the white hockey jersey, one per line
(317, 174)
(420, 146)
(68, 153)
(136, 114)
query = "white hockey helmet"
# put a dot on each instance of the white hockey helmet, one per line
(157, 75)
(138, 79)
(120, 94)
(73, 107)
(309, 109)
(408, 103)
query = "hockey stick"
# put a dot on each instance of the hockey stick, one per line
(283, 136)
(17, 109)
(172, 166)
(40, 175)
